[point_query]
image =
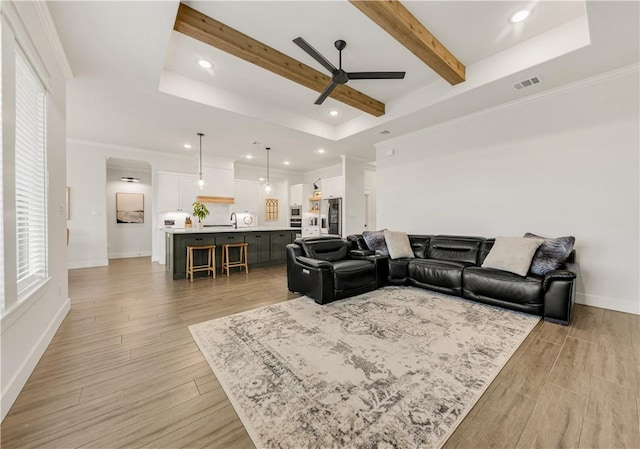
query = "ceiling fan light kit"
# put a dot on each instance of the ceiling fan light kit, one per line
(210, 31)
(338, 75)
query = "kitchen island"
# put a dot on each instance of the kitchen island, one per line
(267, 245)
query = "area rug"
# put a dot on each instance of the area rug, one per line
(395, 368)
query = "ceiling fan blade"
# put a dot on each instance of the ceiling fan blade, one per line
(376, 75)
(315, 54)
(323, 96)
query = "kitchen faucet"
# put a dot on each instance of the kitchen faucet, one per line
(234, 217)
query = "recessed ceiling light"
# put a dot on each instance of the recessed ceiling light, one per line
(520, 16)
(260, 179)
(249, 156)
(286, 162)
(204, 64)
(187, 146)
(321, 150)
(333, 113)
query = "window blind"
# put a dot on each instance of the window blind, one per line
(31, 179)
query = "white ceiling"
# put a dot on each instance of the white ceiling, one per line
(136, 82)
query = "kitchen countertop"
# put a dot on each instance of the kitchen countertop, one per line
(218, 230)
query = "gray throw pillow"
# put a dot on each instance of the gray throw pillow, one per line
(375, 241)
(551, 254)
(398, 244)
(513, 254)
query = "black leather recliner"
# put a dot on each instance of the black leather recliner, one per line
(325, 269)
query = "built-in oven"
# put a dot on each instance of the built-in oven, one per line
(295, 216)
(296, 212)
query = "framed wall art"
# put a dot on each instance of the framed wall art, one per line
(271, 208)
(129, 208)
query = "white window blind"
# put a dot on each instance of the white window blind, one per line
(31, 179)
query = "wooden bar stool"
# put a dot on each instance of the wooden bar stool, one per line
(242, 262)
(211, 260)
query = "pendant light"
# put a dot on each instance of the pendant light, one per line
(200, 182)
(267, 186)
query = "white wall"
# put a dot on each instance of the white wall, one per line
(564, 163)
(371, 188)
(128, 239)
(86, 176)
(327, 172)
(353, 202)
(28, 327)
(280, 191)
(87, 180)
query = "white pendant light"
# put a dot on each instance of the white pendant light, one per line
(200, 182)
(267, 186)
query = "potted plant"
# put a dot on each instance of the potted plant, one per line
(201, 212)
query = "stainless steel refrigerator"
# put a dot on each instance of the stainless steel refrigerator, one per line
(334, 216)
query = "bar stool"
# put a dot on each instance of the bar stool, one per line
(243, 262)
(211, 260)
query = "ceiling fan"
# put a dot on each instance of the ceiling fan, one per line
(339, 76)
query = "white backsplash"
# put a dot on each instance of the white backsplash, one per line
(219, 214)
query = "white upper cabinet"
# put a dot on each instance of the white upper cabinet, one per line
(246, 196)
(168, 192)
(299, 194)
(333, 187)
(176, 192)
(188, 192)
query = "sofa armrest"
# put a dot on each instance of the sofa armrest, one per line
(559, 296)
(557, 275)
(313, 263)
(310, 277)
(382, 268)
(361, 253)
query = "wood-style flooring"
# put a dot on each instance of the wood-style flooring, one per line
(123, 371)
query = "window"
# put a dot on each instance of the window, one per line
(31, 177)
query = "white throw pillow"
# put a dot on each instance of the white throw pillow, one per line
(398, 244)
(513, 254)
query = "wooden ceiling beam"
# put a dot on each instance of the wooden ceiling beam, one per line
(212, 32)
(395, 19)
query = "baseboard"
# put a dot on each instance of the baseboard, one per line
(129, 255)
(88, 264)
(16, 384)
(606, 302)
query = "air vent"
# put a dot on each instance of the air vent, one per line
(527, 83)
(385, 131)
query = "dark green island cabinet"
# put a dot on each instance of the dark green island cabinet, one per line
(265, 248)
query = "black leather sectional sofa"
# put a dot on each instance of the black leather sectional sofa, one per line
(445, 264)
